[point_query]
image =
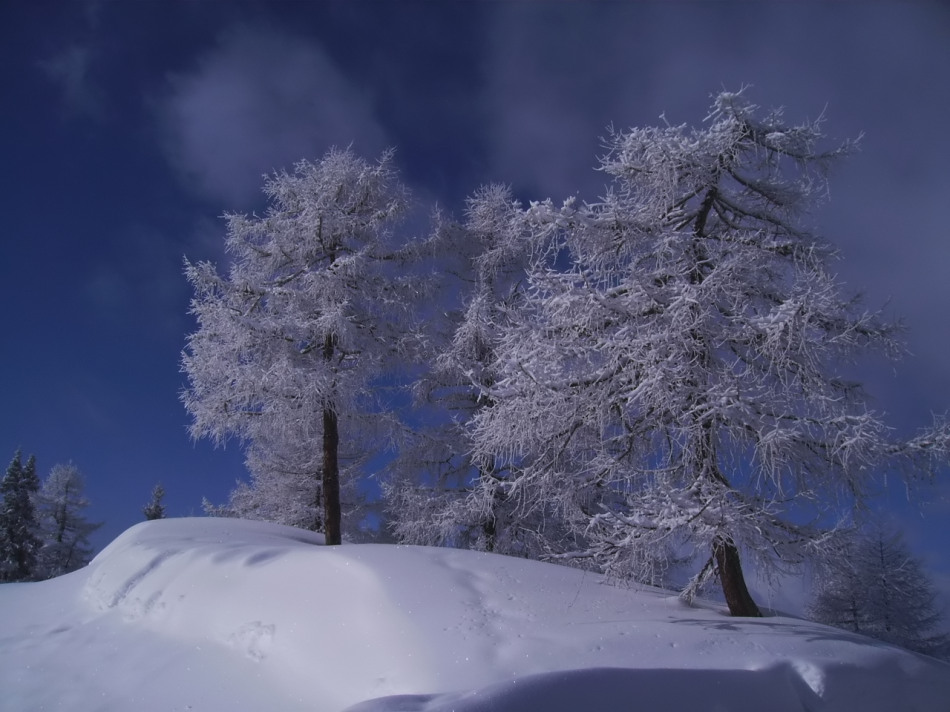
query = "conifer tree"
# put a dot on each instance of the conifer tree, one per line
(19, 529)
(155, 509)
(873, 585)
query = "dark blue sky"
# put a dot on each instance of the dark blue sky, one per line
(128, 127)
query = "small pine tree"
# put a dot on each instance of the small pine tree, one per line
(64, 530)
(155, 509)
(875, 587)
(19, 540)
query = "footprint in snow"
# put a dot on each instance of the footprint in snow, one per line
(253, 639)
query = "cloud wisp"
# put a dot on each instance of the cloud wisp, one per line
(259, 101)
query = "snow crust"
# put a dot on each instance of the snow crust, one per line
(220, 614)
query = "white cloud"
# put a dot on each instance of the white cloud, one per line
(260, 101)
(542, 126)
(559, 75)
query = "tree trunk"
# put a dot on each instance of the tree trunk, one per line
(734, 589)
(490, 529)
(331, 465)
(490, 524)
(331, 478)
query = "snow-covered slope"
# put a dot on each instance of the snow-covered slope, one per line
(217, 614)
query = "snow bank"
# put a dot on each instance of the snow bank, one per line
(214, 614)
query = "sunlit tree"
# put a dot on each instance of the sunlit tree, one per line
(676, 381)
(294, 341)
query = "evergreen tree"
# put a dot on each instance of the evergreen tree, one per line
(873, 585)
(65, 531)
(155, 509)
(19, 529)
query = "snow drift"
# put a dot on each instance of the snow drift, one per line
(215, 614)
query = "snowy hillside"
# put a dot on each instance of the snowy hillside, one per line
(216, 614)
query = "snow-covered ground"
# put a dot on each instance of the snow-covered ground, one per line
(217, 614)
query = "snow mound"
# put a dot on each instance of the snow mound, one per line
(213, 614)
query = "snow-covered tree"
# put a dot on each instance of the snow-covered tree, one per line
(873, 585)
(65, 531)
(294, 342)
(439, 494)
(155, 509)
(678, 386)
(19, 528)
